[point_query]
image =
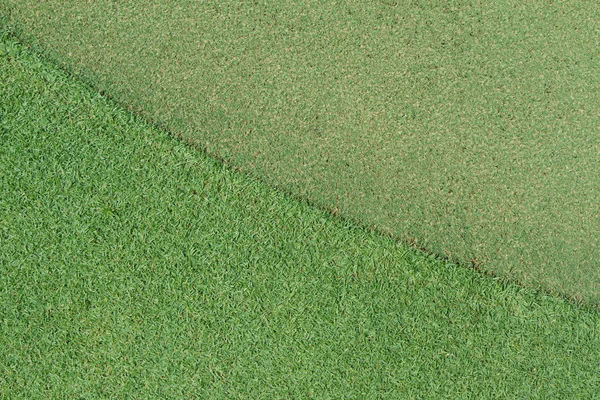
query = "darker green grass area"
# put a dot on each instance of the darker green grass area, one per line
(133, 266)
(469, 128)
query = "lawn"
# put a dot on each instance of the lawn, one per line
(468, 128)
(135, 266)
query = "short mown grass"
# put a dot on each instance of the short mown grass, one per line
(133, 266)
(467, 127)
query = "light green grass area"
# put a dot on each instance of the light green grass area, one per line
(133, 266)
(470, 128)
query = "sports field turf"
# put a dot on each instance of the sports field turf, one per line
(133, 266)
(469, 128)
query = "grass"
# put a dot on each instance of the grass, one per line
(133, 266)
(469, 128)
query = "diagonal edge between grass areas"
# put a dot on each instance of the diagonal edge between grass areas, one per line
(132, 265)
(87, 77)
(445, 123)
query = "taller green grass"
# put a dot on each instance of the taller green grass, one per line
(132, 266)
(467, 127)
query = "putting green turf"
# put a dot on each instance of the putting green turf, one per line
(132, 266)
(469, 128)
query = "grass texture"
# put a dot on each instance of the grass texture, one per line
(469, 128)
(133, 266)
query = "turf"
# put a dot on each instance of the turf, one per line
(133, 266)
(468, 128)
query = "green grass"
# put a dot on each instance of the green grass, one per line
(133, 266)
(467, 127)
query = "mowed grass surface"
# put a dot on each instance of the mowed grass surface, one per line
(133, 266)
(470, 128)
